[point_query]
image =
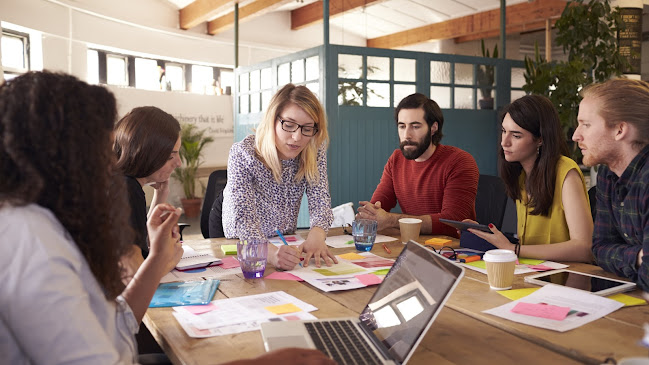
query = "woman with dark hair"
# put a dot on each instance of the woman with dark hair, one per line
(147, 142)
(554, 219)
(63, 214)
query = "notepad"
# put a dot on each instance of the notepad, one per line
(229, 249)
(184, 293)
(193, 260)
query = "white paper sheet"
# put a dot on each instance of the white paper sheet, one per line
(209, 272)
(346, 240)
(242, 310)
(521, 269)
(587, 308)
(289, 239)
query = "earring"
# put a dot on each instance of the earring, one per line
(538, 150)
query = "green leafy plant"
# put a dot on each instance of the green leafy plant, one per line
(351, 92)
(587, 31)
(486, 73)
(192, 141)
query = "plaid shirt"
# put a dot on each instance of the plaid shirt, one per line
(622, 220)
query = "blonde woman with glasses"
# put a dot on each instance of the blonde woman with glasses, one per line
(269, 172)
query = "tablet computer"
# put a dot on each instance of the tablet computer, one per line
(594, 284)
(463, 226)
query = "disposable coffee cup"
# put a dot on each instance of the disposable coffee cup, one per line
(500, 268)
(410, 228)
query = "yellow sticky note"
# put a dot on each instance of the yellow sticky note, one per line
(351, 256)
(283, 308)
(627, 300)
(229, 249)
(437, 241)
(515, 294)
(523, 261)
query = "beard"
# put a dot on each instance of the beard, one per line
(422, 146)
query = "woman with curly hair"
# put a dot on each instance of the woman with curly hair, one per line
(63, 214)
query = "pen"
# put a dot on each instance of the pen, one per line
(281, 236)
(386, 248)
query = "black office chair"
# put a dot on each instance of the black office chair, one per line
(215, 185)
(491, 200)
(592, 197)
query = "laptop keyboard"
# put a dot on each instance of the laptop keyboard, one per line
(342, 342)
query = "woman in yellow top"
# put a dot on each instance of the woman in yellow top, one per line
(554, 219)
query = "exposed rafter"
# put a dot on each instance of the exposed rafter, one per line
(201, 11)
(312, 13)
(511, 29)
(256, 8)
(519, 17)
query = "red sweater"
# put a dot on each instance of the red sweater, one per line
(444, 186)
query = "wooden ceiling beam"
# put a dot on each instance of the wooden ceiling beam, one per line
(254, 9)
(513, 29)
(312, 13)
(200, 11)
(480, 23)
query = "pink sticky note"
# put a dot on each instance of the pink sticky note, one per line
(540, 267)
(542, 310)
(369, 279)
(282, 275)
(229, 262)
(290, 238)
(200, 309)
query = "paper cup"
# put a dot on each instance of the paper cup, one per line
(500, 268)
(409, 228)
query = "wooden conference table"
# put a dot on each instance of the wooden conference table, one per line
(461, 334)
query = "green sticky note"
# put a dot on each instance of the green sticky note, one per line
(229, 249)
(530, 261)
(479, 264)
(381, 272)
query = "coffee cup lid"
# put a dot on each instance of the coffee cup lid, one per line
(499, 256)
(409, 220)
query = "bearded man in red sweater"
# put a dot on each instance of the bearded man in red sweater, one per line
(429, 180)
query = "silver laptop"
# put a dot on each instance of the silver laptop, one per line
(392, 324)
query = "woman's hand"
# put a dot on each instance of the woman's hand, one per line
(164, 236)
(285, 257)
(315, 246)
(496, 238)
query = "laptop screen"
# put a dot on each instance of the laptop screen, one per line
(409, 299)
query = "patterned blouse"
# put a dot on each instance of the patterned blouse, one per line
(255, 205)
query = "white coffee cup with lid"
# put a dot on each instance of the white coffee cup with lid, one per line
(500, 268)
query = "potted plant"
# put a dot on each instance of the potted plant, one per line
(486, 74)
(192, 141)
(587, 31)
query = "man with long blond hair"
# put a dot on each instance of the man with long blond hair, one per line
(269, 172)
(614, 131)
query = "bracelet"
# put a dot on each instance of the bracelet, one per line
(517, 249)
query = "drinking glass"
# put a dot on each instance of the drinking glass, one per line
(252, 254)
(364, 233)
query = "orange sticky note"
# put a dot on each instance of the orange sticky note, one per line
(283, 308)
(351, 256)
(437, 241)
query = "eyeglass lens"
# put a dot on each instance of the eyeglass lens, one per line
(306, 130)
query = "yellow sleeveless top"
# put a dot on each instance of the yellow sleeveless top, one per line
(553, 228)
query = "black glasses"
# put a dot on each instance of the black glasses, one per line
(446, 251)
(306, 130)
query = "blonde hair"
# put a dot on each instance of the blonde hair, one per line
(265, 132)
(623, 100)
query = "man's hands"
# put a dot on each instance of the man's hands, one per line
(367, 210)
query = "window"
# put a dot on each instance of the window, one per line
(148, 76)
(92, 67)
(116, 70)
(175, 74)
(202, 80)
(15, 53)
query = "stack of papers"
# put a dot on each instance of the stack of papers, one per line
(557, 308)
(524, 266)
(241, 314)
(354, 270)
(192, 259)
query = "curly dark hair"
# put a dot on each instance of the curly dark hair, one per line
(55, 151)
(144, 139)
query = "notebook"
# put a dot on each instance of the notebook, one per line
(193, 260)
(392, 324)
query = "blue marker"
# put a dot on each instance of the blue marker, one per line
(281, 236)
